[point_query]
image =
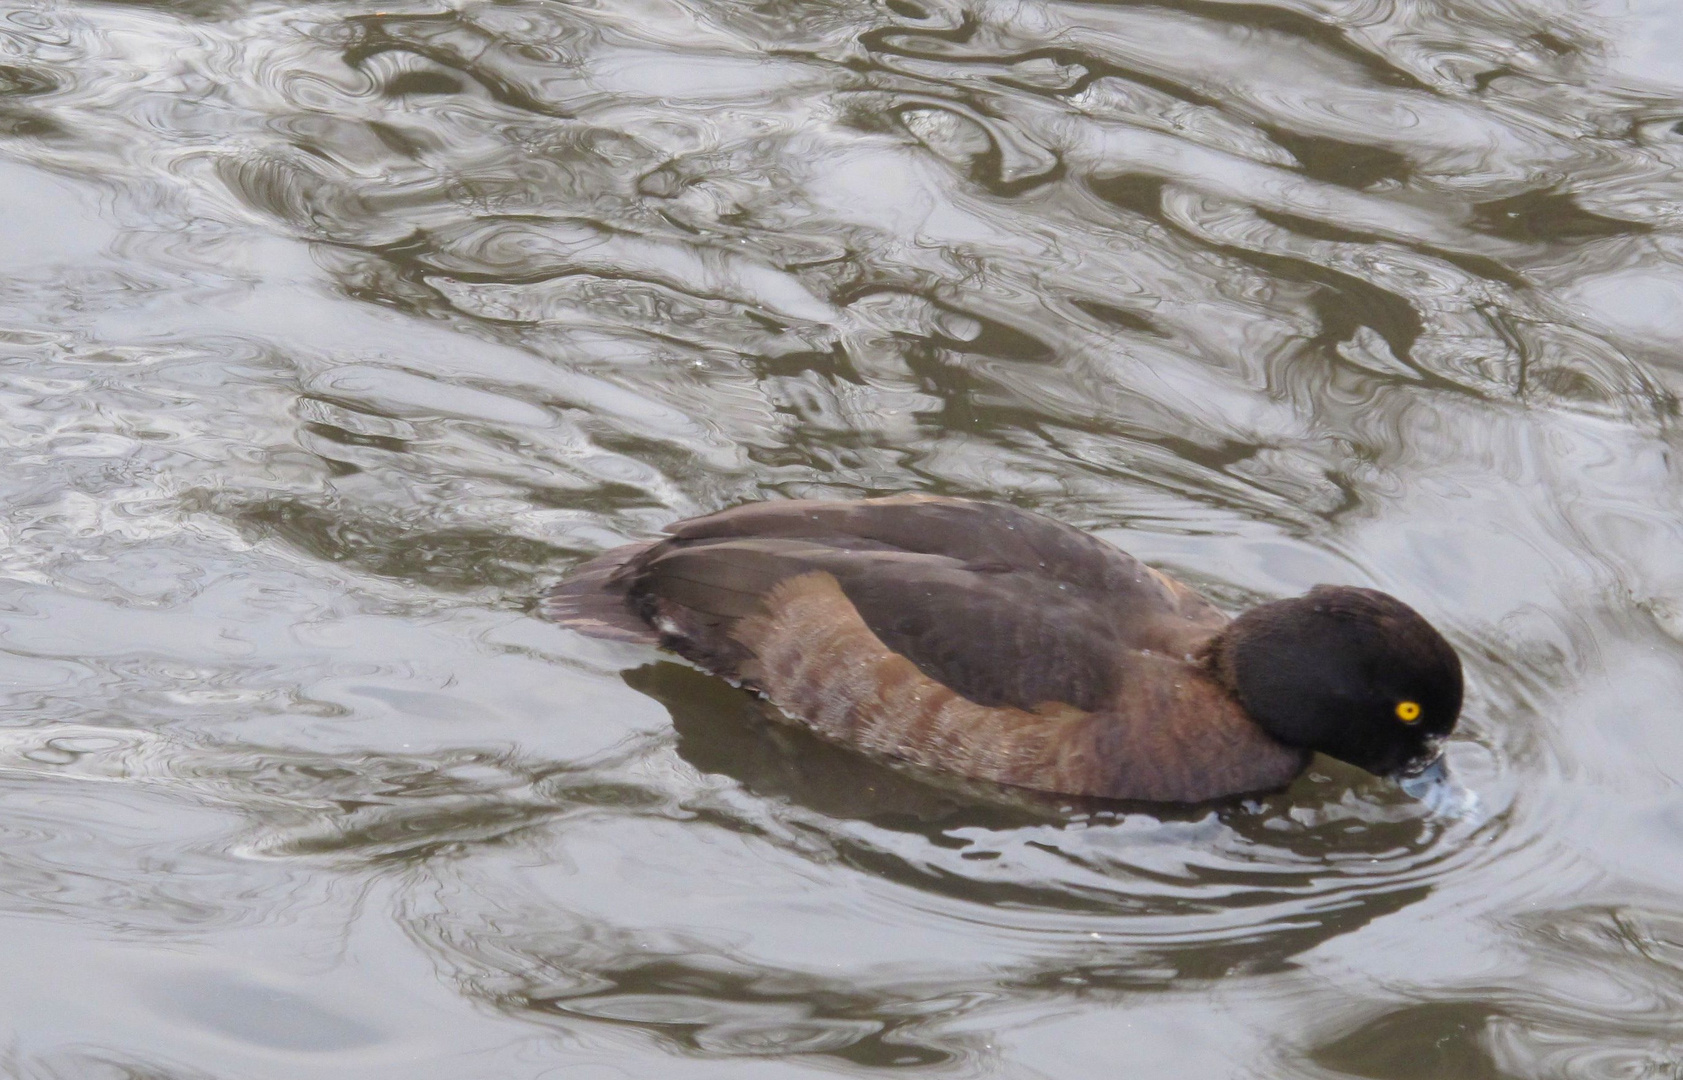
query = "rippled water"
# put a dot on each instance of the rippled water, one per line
(332, 332)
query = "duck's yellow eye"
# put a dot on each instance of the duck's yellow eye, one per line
(1408, 712)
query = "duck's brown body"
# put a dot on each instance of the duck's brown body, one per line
(967, 637)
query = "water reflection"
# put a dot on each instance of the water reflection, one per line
(1616, 1017)
(1094, 904)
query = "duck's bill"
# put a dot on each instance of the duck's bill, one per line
(1418, 777)
(1435, 789)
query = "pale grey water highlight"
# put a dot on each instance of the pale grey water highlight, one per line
(332, 332)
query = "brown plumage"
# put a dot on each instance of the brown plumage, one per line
(1000, 645)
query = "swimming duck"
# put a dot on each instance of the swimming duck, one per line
(1003, 646)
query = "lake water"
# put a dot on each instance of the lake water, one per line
(333, 332)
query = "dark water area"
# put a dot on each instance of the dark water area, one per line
(332, 332)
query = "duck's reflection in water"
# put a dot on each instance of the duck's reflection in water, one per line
(535, 885)
(1085, 902)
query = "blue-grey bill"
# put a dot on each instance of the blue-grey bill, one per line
(1439, 792)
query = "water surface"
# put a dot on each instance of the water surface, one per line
(332, 332)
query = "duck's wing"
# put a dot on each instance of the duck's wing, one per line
(991, 634)
(1142, 608)
(1147, 609)
(976, 533)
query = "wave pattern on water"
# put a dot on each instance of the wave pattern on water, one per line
(332, 331)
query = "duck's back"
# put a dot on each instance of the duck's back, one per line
(979, 639)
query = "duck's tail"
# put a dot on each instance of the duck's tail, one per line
(589, 602)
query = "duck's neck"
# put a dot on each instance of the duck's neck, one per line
(1215, 657)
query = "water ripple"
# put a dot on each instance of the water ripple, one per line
(333, 332)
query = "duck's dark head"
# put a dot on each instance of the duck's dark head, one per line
(1353, 673)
